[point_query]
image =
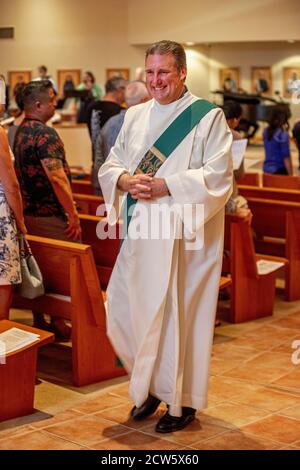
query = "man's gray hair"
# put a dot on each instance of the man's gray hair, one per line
(114, 83)
(135, 93)
(169, 47)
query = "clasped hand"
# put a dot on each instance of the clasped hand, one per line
(144, 187)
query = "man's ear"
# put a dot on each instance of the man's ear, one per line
(183, 73)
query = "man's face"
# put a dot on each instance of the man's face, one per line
(46, 106)
(164, 82)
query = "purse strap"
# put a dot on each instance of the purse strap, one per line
(25, 249)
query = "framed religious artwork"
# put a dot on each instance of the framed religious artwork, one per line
(124, 73)
(291, 81)
(261, 81)
(230, 79)
(17, 76)
(67, 79)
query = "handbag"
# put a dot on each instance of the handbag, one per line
(32, 280)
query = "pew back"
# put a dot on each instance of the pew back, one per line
(281, 181)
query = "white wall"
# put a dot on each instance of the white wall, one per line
(96, 34)
(88, 34)
(205, 21)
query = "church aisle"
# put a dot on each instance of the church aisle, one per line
(254, 400)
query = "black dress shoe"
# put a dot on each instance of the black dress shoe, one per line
(146, 409)
(169, 423)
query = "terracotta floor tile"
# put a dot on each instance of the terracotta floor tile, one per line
(235, 414)
(270, 359)
(289, 381)
(87, 430)
(262, 375)
(219, 366)
(292, 412)
(121, 390)
(194, 432)
(100, 403)
(278, 428)
(37, 440)
(14, 432)
(230, 351)
(136, 440)
(268, 399)
(225, 388)
(236, 440)
(293, 323)
(59, 418)
(121, 414)
(259, 343)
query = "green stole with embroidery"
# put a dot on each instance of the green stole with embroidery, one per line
(165, 145)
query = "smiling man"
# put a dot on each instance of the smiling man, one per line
(173, 151)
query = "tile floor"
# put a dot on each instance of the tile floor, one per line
(254, 400)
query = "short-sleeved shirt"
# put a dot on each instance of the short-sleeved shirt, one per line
(34, 142)
(277, 149)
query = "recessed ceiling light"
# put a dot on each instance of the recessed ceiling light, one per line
(190, 43)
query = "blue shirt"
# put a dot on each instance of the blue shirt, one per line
(276, 151)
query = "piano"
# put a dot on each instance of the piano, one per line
(255, 108)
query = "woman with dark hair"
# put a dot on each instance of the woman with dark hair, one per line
(277, 145)
(89, 83)
(18, 95)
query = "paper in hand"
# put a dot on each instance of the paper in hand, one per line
(238, 150)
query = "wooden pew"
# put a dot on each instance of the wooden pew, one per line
(281, 181)
(278, 194)
(87, 204)
(105, 251)
(82, 187)
(73, 292)
(18, 373)
(252, 294)
(250, 179)
(277, 228)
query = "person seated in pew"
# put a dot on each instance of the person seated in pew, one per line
(135, 93)
(277, 145)
(237, 204)
(296, 135)
(44, 178)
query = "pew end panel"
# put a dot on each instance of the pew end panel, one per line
(17, 375)
(73, 291)
(248, 292)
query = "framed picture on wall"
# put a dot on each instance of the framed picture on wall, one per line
(230, 79)
(17, 76)
(67, 79)
(124, 73)
(261, 80)
(291, 81)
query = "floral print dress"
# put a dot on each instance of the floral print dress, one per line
(9, 245)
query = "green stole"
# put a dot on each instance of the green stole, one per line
(165, 145)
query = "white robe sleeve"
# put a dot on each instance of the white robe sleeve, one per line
(108, 176)
(208, 181)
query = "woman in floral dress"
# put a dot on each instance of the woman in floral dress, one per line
(11, 221)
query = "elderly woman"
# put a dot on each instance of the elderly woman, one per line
(11, 221)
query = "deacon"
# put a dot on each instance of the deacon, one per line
(173, 151)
